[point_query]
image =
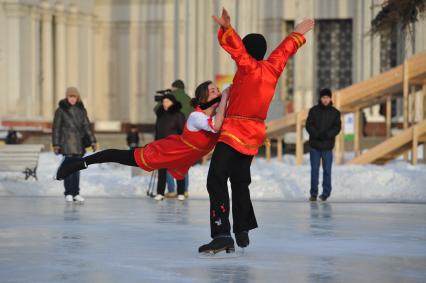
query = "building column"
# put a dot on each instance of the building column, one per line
(304, 68)
(60, 51)
(134, 104)
(73, 47)
(90, 103)
(14, 12)
(34, 107)
(47, 61)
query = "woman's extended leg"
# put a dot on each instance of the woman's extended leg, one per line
(73, 164)
(125, 157)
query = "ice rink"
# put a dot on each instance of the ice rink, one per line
(139, 240)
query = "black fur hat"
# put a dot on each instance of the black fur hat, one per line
(325, 92)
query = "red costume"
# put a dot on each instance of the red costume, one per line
(252, 90)
(177, 153)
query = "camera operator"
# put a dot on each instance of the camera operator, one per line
(178, 91)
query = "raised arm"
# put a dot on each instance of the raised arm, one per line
(290, 45)
(232, 43)
(221, 109)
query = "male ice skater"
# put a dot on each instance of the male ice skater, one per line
(243, 130)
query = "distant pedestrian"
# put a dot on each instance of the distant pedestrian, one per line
(71, 134)
(12, 137)
(323, 125)
(133, 137)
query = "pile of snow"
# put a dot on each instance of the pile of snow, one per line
(274, 180)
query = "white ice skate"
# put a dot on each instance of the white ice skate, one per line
(69, 198)
(79, 199)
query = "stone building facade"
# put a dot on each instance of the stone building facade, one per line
(119, 52)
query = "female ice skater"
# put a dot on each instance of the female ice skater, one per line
(176, 153)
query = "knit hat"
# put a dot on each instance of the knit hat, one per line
(178, 84)
(72, 91)
(325, 92)
(255, 45)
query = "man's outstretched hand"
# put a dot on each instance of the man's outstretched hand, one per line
(304, 26)
(224, 20)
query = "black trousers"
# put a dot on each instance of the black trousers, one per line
(228, 163)
(161, 184)
(72, 182)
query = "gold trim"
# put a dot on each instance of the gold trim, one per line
(232, 136)
(176, 171)
(296, 39)
(191, 145)
(245, 118)
(300, 38)
(144, 162)
(226, 34)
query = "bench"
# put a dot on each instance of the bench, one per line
(20, 158)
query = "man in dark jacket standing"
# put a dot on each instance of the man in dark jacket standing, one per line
(323, 125)
(71, 133)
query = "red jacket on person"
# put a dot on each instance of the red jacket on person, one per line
(252, 90)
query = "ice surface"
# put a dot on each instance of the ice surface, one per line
(273, 180)
(42, 239)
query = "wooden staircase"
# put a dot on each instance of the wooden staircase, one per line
(381, 88)
(392, 148)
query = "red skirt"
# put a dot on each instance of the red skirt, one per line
(172, 153)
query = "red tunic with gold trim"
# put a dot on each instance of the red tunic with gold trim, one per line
(252, 90)
(177, 153)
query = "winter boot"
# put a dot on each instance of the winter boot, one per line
(242, 239)
(70, 165)
(218, 244)
(313, 198)
(159, 197)
(69, 198)
(181, 197)
(78, 198)
(323, 197)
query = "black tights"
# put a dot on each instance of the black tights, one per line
(125, 157)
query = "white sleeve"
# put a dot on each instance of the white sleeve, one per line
(199, 121)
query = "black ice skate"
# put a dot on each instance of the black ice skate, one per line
(219, 244)
(242, 239)
(70, 165)
(313, 198)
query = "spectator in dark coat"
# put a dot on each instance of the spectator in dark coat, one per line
(170, 121)
(71, 133)
(323, 125)
(133, 137)
(12, 137)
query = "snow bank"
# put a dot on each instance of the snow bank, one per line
(272, 180)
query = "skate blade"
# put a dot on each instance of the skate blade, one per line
(221, 254)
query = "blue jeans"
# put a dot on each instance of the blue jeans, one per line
(72, 182)
(327, 159)
(171, 184)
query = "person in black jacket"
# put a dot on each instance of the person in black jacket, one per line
(133, 137)
(170, 121)
(70, 134)
(323, 125)
(12, 137)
